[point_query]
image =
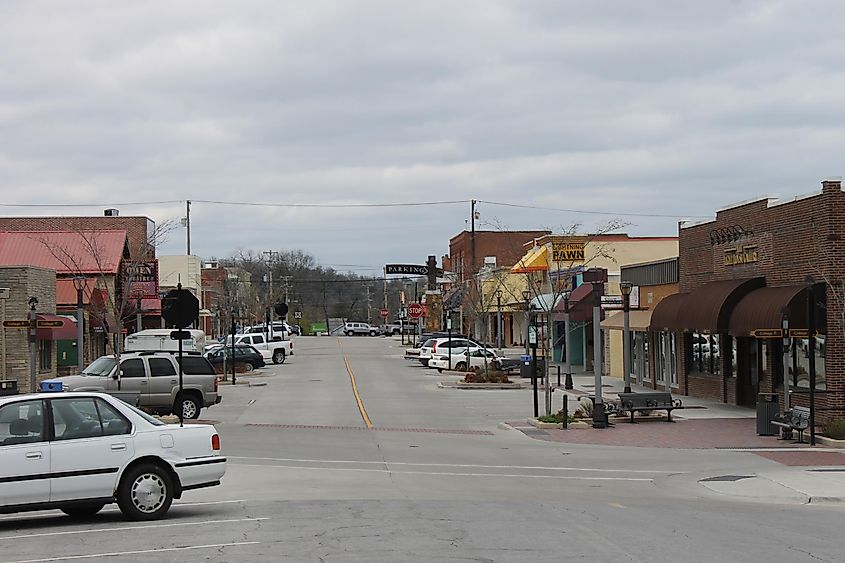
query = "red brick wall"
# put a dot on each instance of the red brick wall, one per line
(506, 246)
(795, 239)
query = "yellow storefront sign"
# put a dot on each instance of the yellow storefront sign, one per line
(741, 255)
(568, 252)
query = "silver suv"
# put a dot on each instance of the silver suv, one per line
(350, 329)
(154, 377)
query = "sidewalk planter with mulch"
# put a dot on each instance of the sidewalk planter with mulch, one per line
(547, 425)
(465, 385)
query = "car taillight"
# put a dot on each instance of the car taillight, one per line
(216, 383)
(434, 348)
(215, 443)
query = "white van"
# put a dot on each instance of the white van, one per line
(158, 339)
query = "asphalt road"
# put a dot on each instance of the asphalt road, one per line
(350, 453)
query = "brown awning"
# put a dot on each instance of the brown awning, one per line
(666, 314)
(637, 320)
(763, 308)
(67, 331)
(580, 303)
(709, 307)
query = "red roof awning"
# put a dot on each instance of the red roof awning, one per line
(66, 252)
(580, 303)
(65, 332)
(66, 291)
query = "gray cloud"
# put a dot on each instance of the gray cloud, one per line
(653, 106)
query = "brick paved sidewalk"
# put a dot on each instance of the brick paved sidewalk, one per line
(684, 433)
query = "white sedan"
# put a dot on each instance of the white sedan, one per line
(79, 451)
(478, 359)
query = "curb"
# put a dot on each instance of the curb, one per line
(470, 386)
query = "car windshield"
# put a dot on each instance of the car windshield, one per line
(101, 367)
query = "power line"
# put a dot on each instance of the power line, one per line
(593, 212)
(331, 205)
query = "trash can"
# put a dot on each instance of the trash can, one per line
(525, 365)
(8, 387)
(767, 410)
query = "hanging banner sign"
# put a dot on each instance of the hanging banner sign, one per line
(141, 277)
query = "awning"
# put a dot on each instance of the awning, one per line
(66, 291)
(637, 320)
(536, 260)
(65, 332)
(709, 307)
(580, 303)
(666, 314)
(763, 309)
(453, 298)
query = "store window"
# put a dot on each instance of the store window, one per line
(45, 355)
(703, 353)
(666, 358)
(799, 369)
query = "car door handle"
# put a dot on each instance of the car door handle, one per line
(118, 447)
(174, 381)
(33, 455)
(143, 382)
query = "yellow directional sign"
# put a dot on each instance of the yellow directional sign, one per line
(51, 324)
(16, 324)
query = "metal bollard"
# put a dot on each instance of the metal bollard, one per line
(565, 411)
(558, 376)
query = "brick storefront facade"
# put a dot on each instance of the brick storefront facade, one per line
(506, 246)
(775, 245)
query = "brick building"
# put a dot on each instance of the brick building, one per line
(497, 249)
(741, 275)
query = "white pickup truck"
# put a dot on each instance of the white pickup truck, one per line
(276, 350)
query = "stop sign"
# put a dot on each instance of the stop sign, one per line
(415, 310)
(384, 313)
(180, 308)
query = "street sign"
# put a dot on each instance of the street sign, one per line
(281, 309)
(50, 324)
(767, 333)
(297, 314)
(180, 335)
(384, 313)
(16, 324)
(611, 302)
(180, 307)
(415, 310)
(410, 269)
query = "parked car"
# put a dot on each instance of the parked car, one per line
(478, 359)
(154, 377)
(389, 329)
(351, 329)
(440, 345)
(276, 350)
(246, 355)
(107, 450)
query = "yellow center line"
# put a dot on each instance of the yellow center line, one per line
(355, 387)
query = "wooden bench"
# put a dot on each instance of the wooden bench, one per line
(647, 402)
(797, 418)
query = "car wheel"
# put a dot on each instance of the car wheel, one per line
(347, 333)
(82, 511)
(460, 366)
(189, 406)
(145, 492)
(248, 367)
(279, 357)
(439, 370)
(372, 333)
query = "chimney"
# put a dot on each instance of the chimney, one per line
(832, 184)
(111, 212)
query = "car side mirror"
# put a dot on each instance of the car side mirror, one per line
(116, 376)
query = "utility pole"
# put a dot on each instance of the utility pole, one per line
(369, 305)
(188, 223)
(472, 257)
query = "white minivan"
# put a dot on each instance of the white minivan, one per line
(158, 340)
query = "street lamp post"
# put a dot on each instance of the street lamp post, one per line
(79, 284)
(499, 319)
(525, 296)
(811, 353)
(597, 277)
(625, 287)
(567, 362)
(33, 324)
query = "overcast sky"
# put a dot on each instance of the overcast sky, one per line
(646, 107)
